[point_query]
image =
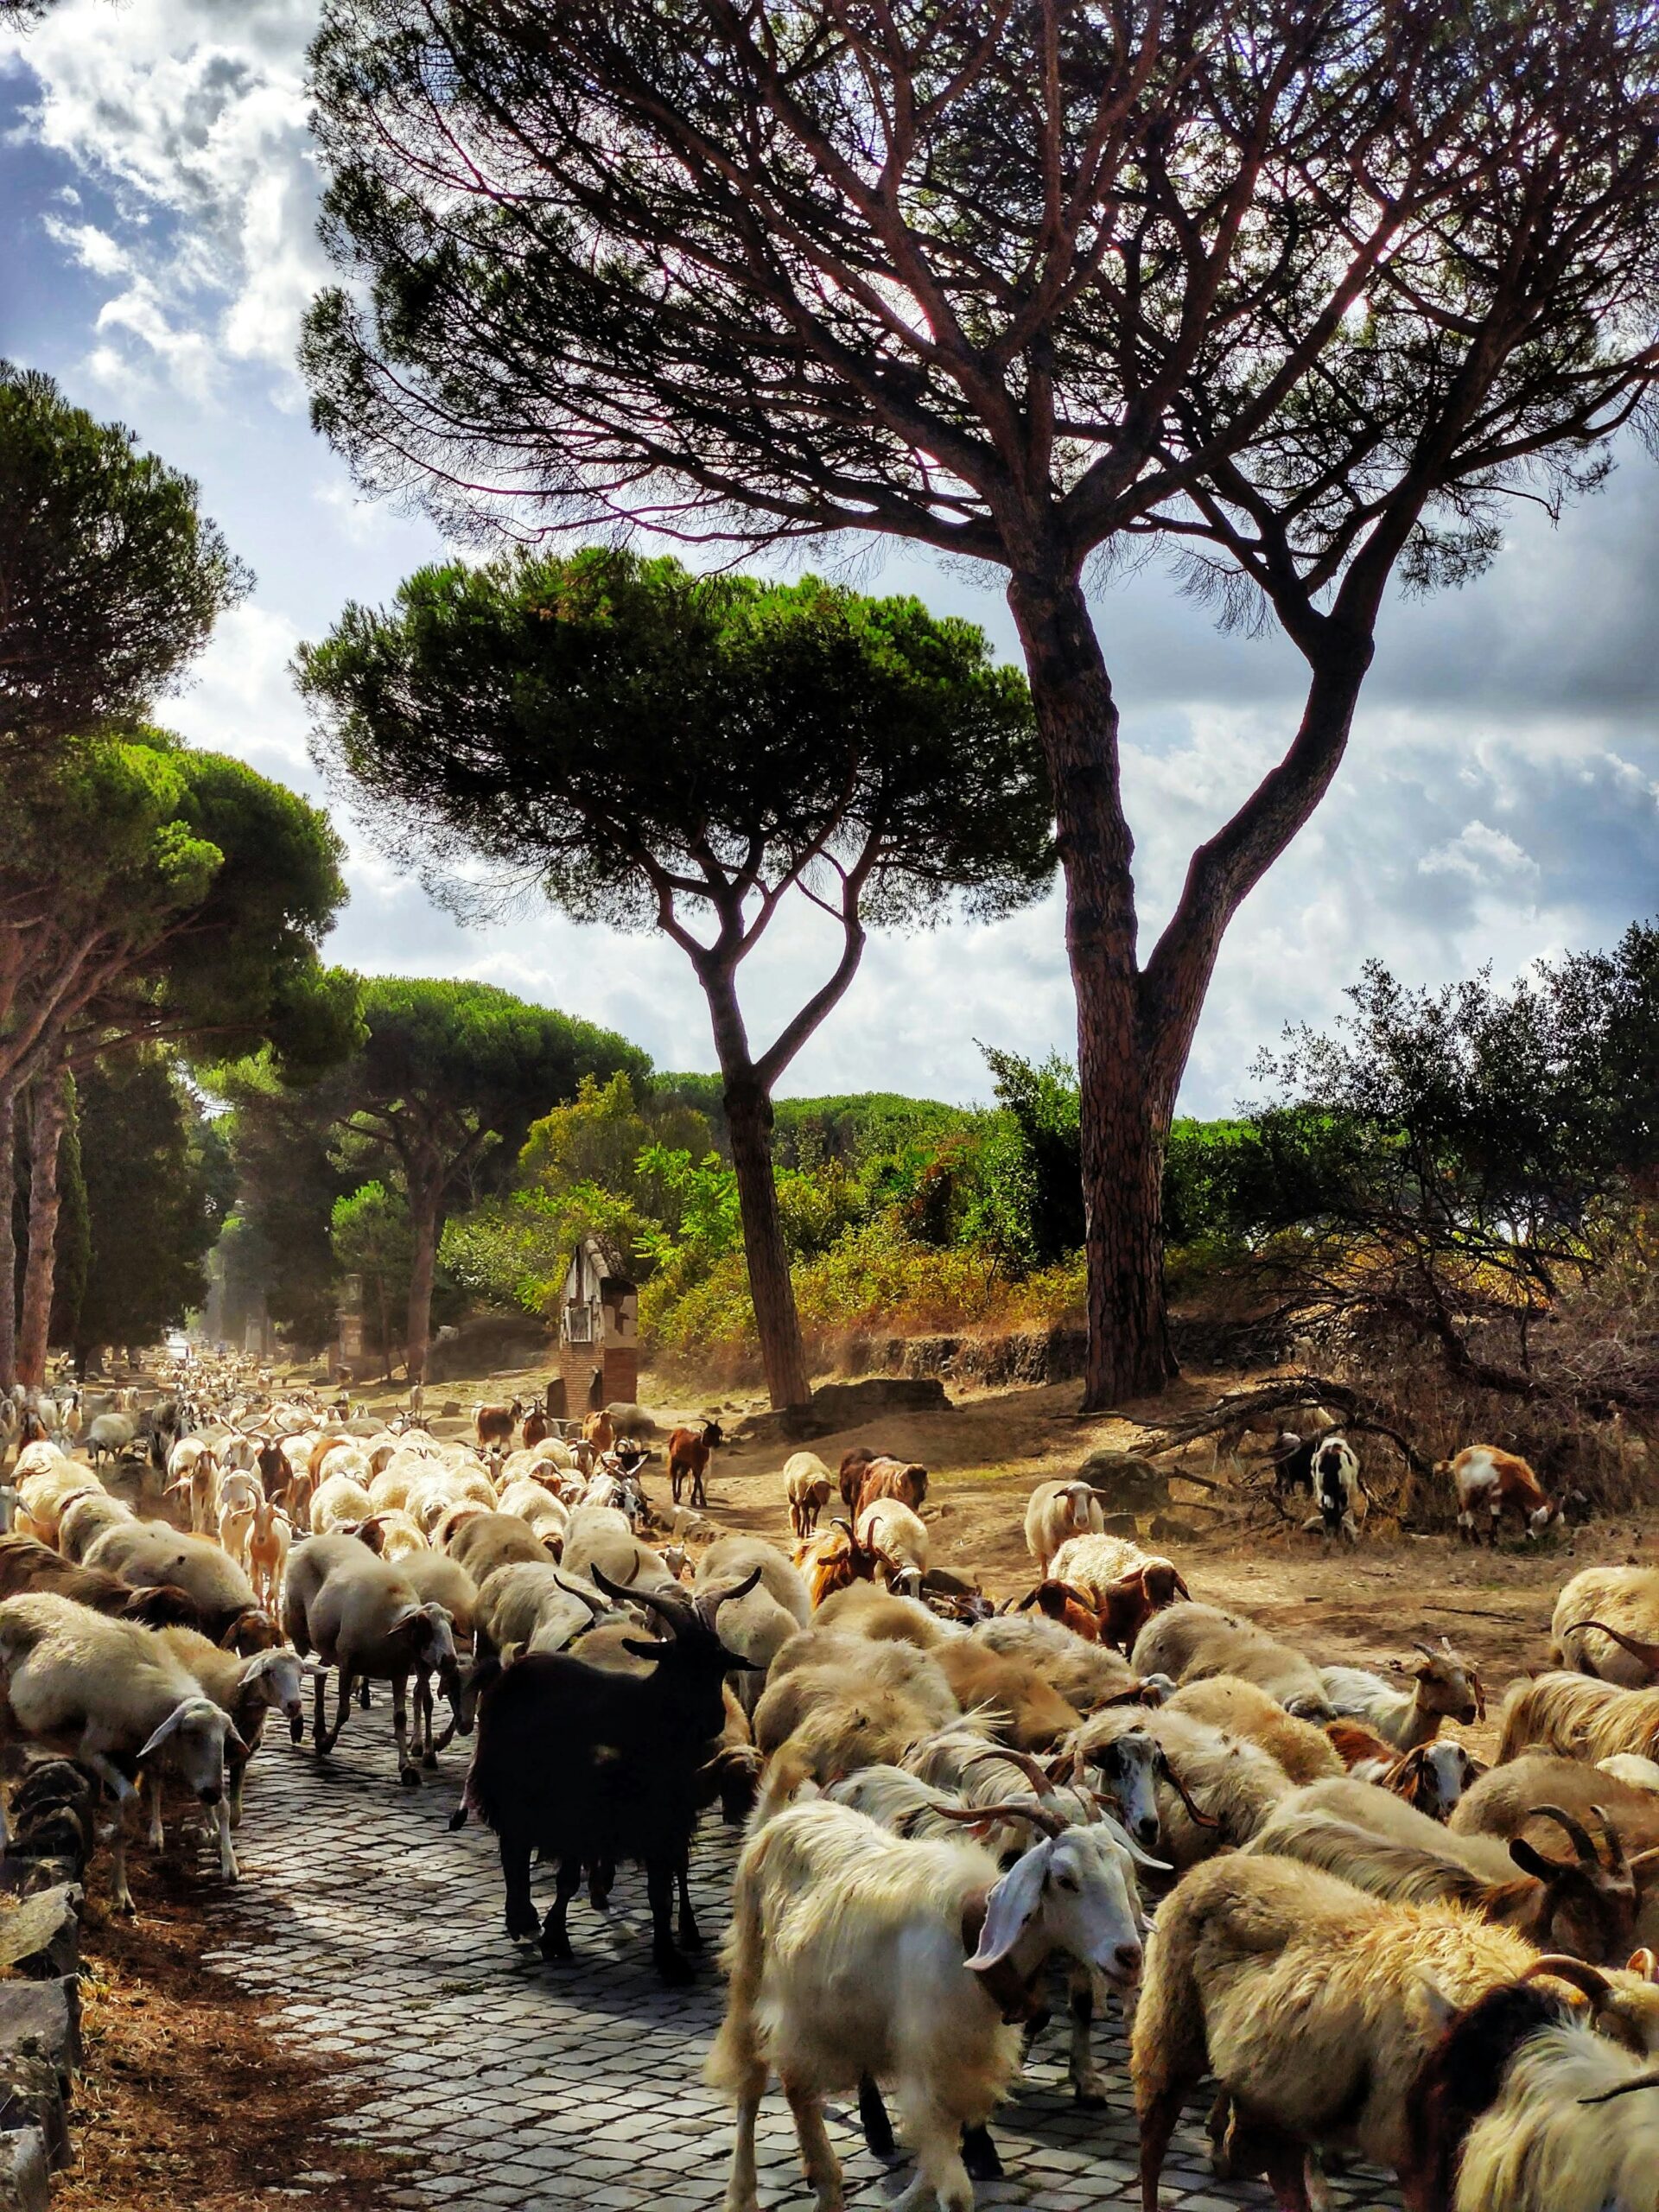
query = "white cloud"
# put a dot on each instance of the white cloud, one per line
(1481, 853)
(93, 248)
(190, 114)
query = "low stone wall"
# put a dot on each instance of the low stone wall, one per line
(42, 1865)
(1028, 1355)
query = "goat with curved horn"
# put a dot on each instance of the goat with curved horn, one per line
(1638, 1648)
(672, 1609)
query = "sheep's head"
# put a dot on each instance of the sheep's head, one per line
(196, 1735)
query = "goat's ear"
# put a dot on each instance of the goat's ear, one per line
(1645, 1963)
(1012, 1906)
(1534, 1863)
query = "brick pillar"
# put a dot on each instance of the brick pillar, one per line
(621, 1374)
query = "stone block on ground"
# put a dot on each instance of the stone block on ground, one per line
(1126, 1482)
(630, 1420)
(25, 2184)
(844, 1405)
(40, 1937)
(43, 2016)
(24, 1875)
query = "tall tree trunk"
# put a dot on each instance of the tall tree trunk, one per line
(7, 1233)
(1123, 1129)
(748, 1118)
(426, 1220)
(49, 1114)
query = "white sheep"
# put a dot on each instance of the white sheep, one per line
(808, 1486)
(1058, 1512)
(759, 1624)
(246, 1690)
(360, 1615)
(101, 1691)
(855, 1952)
(108, 1435)
(148, 1554)
(546, 1515)
(84, 1520)
(534, 1608)
(598, 1535)
(339, 1501)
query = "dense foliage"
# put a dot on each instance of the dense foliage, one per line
(110, 578)
(662, 750)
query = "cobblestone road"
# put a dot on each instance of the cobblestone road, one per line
(512, 2082)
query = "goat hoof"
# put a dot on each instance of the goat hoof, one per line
(556, 1950)
(429, 1760)
(409, 1777)
(979, 2155)
(1092, 2100)
(672, 1969)
(691, 1938)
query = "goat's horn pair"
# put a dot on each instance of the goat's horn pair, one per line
(670, 1613)
(712, 1604)
(1647, 1653)
(1577, 1834)
(1041, 1816)
(1034, 1774)
(1199, 1819)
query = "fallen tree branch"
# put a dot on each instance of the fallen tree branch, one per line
(1239, 1407)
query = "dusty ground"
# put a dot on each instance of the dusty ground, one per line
(189, 2102)
(193, 2103)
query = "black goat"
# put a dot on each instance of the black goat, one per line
(591, 1767)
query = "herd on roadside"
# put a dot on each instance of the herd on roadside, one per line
(1288, 1875)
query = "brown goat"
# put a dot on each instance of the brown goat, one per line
(494, 1424)
(832, 1560)
(899, 1478)
(1128, 1606)
(851, 1479)
(688, 1459)
(599, 1430)
(1065, 1603)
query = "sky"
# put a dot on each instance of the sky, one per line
(1499, 801)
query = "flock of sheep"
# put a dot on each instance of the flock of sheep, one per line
(1290, 1876)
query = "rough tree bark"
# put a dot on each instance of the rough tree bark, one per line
(424, 1177)
(748, 1102)
(7, 1236)
(49, 1114)
(1123, 1130)
(748, 1118)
